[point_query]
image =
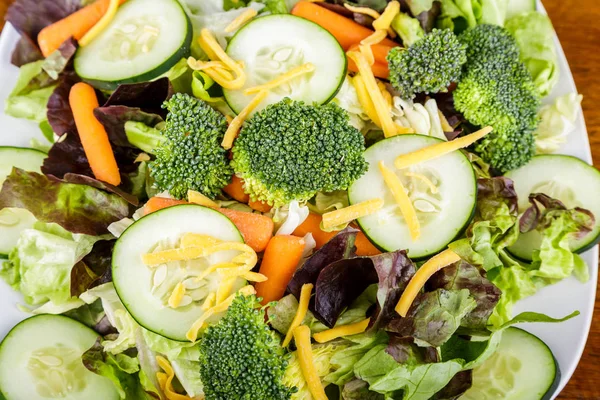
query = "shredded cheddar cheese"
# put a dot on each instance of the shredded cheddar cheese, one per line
(305, 293)
(192, 334)
(379, 104)
(281, 79)
(215, 52)
(422, 275)
(224, 290)
(364, 99)
(177, 295)
(165, 380)
(402, 130)
(307, 366)
(340, 331)
(363, 10)
(445, 125)
(101, 25)
(375, 38)
(198, 240)
(406, 207)
(241, 20)
(236, 124)
(385, 20)
(439, 149)
(209, 302)
(367, 51)
(423, 179)
(200, 199)
(350, 213)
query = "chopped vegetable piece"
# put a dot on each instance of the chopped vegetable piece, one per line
(439, 149)
(236, 190)
(305, 294)
(406, 207)
(346, 31)
(423, 274)
(350, 213)
(304, 352)
(340, 331)
(199, 198)
(94, 138)
(259, 206)
(256, 229)
(75, 25)
(158, 203)
(101, 25)
(279, 263)
(284, 78)
(234, 127)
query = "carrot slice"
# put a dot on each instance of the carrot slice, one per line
(312, 225)
(94, 138)
(256, 229)
(236, 189)
(75, 25)
(279, 263)
(259, 206)
(346, 31)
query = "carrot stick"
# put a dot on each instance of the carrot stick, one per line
(312, 224)
(279, 263)
(380, 68)
(76, 25)
(346, 31)
(259, 206)
(94, 138)
(158, 203)
(236, 190)
(256, 229)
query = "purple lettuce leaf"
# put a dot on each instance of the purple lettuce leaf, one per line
(29, 17)
(86, 180)
(77, 208)
(114, 118)
(60, 116)
(434, 316)
(458, 385)
(340, 247)
(357, 389)
(339, 284)
(149, 96)
(492, 194)
(463, 275)
(94, 269)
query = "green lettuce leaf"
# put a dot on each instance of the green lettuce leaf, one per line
(535, 36)
(41, 265)
(557, 122)
(188, 375)
(170, 348)
(121, 369)
(78, 208)
(434, 316)
(27, 101)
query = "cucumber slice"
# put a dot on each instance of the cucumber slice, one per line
(522, 368)
(516, 7)
(442, 215)
(271, 46)
(565, 178)
(13, 221)
(143, 292)
(26, 159)
(40, 358)
(144, 40)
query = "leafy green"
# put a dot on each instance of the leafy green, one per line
(557, 121)
(121, 369)
(172, 349)
(26, 101)
(535, 36)
(78, 208)
(459, 15)
(40, 267)
(408, 28)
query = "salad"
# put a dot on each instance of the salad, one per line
(281, 199)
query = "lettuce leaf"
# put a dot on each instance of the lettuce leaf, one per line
(77, 208)
(41, 265)
(26, 100)
(121, 369)
(535, 36)
(557, 122)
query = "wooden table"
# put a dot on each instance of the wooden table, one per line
(577, 23)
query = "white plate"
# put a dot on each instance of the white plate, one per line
(566, 339)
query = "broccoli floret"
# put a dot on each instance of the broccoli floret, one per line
(191, 157)
(496, 89)
(292, 150)
(241, 358)
(429, 65)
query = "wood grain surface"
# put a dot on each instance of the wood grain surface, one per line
(577, 23)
